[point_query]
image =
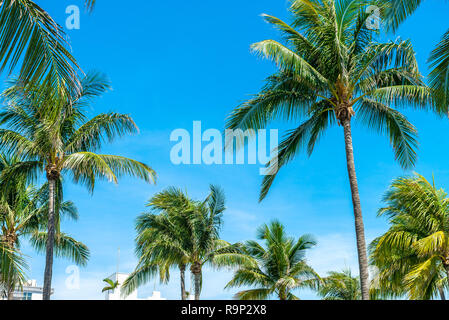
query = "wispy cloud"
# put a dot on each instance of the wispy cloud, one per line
(336, 251)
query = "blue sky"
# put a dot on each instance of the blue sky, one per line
(172, 63)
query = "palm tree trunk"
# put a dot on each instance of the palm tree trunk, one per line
(10, 293)
(359, 228)
(50, 239)
(442, 295)
(282, 295)
(182, 269)
(10, 244)
(197, 284)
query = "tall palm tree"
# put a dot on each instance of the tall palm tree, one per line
(185, 237)
(397, 11)
(54, 136)
(340, 286)
(331, 71)
(412, 257)
(276, 269)
(24, 215)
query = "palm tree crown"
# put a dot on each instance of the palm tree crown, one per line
(29, 35)
(340, 286)
(160, 239)
(110, 285)
(330, 69)
(412, 257)
(56, 137)
(277, 269)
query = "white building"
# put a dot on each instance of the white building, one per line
(115, 294)
(30, 291)
(156, 296)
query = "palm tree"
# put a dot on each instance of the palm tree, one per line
(340, 286)
(330, 71)
(24, 215)
(412, 257)
(12, 269)
(277, 269)
(54, 136)
(110, 285)
(394, 13)
(185, 237)
(160, 223)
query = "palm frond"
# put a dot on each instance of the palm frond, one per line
(396, 11)
(288, 60)
(88, 166)
(439, 75)
(306, 134)
(28, 34)
(386, 120)
(139, 277)
(65, 246)
(102, 127)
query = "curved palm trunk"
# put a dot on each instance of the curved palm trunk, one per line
(50, 239)
(359, 228)
(182, 269)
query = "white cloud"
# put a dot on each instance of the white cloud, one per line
(241, 223)
(334, 252)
